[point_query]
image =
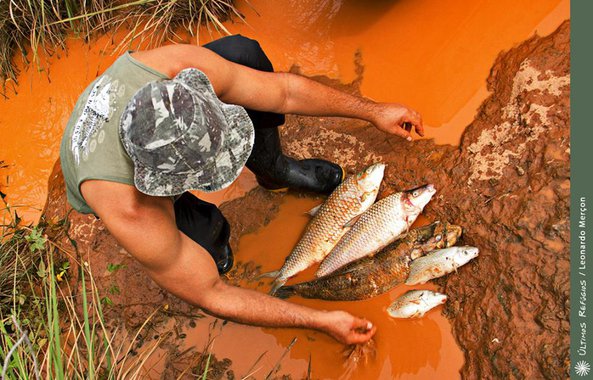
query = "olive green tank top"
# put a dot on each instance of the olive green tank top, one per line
(91, 146)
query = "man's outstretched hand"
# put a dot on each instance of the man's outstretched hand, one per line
(347, 329)
(398, 119)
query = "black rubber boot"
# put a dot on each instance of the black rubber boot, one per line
(315, 175)
(224, 259)
(276, 171)
(204, 223)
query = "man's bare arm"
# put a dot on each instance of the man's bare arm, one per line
(281, 92)
(145, 227)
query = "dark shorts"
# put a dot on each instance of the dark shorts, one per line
(202, 221)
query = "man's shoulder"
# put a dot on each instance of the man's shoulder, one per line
(109, 197)
(170, 59)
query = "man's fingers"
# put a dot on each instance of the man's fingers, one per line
(363, 336)
(420, 127)
(361, 325)
(401, 132)
(415, 119)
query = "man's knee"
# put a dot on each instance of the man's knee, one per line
(239, 42)
(241, 50)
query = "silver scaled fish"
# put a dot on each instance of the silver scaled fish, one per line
(415, 303)
(351, 198)
(439, 263)
(384, 222)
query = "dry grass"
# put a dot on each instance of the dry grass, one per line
(30, 26)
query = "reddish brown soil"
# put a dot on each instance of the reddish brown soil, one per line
(510, 313)
(508, 184)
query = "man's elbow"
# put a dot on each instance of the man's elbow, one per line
(285, 103)
(210, 296)
(129, 212)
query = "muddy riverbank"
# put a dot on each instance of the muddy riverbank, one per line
(507, 183)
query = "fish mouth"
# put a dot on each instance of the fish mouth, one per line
(430, 188)
(465, 255)
(432, 299)
(410, 191)
(423, 196)
(425, 190)
(374, 170)
(370, 179)
(472, 251)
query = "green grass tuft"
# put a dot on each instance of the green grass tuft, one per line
(47, 329)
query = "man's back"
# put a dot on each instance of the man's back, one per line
(91, 147)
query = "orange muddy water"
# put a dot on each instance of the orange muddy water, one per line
(406, 349)
(433, 56)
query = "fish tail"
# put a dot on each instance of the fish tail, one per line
(323, 269)
(285, 291)
(272, 274)
(276, 285)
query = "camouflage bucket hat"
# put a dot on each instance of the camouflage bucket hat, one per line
(181, 137)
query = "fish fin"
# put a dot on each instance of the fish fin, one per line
(322, 273)
(347, 268)
(351, 222)
(285, 291)
(277, 284)
(272, 274)
(410, 279)
(314, 210)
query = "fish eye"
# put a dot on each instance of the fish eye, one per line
(438, 238)
(415, 193)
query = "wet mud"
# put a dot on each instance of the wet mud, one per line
(432, 56)
(507, 183)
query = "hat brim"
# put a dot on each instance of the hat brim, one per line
(229, 162)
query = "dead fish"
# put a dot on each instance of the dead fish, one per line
(384, 222)
(439, 263)
(351, 198)
(374, 275)
(415, 303)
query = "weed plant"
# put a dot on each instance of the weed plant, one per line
(51, 326)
